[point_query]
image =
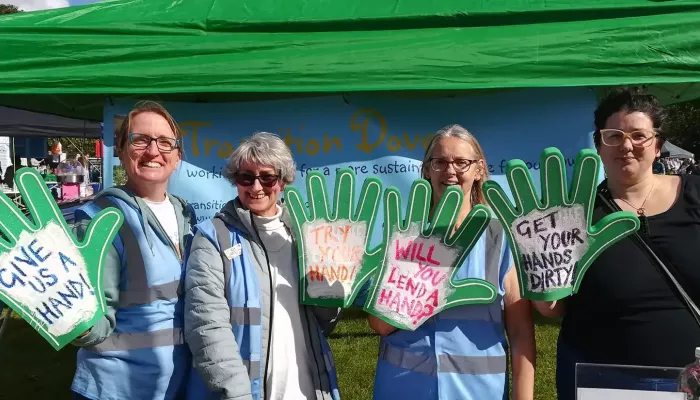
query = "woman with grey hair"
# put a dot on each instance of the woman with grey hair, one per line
(249, 336)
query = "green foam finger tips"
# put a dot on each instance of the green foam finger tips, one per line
(331, 243)
(48, 276)
(417, 262)
(552, 238)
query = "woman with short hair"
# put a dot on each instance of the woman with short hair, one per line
(249, 335)
(137, 351)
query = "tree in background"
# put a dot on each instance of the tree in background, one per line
(682, 127)
(8, 9)
(73, 146)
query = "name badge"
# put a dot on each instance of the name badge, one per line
(233, 252)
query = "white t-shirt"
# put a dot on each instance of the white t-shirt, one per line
(165, 212)
(289, 371)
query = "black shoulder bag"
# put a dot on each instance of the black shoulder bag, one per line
(668, 270)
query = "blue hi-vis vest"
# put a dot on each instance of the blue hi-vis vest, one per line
(461, 353)
(243, 294)
(145, 357)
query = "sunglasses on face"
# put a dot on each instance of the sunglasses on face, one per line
(266, 180)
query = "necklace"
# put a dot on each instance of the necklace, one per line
(640, 210)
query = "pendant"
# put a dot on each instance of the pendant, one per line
(640, 212)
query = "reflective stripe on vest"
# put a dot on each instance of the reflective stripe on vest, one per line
(245, 315)
(140, 340)
(448, 363)
(239, 315)
(138, 292)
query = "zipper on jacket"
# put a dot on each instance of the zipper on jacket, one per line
(318, 369)
(272, 300)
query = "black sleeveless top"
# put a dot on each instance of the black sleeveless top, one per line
(626, 311)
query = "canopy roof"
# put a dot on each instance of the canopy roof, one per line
(26, 123)
(66, 61)
(671, 150)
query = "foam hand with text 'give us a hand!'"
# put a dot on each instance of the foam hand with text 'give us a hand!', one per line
(47, 276)
(552, 238)
(415, 267)
(331, 247)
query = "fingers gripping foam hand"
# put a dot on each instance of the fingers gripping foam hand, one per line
(552, 238)
(415, 277)
(47, 276)
(331, 247)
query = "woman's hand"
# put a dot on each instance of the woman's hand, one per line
(379, 326)
(550, 309)
(521, 335)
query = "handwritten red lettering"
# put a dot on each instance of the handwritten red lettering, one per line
(402, 252)
(331, 273)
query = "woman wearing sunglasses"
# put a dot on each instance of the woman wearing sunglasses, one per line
(137, 350)
(250, 338)
(627, 310)
(462, 353)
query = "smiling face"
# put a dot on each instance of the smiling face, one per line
(627, 163)
(451, 149)
(260, 200)
(149, 168)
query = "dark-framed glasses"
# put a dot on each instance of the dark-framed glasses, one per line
(267, 180)
(460, 165)
(165, 144)
(615, 137)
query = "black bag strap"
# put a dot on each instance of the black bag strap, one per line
(666, 269)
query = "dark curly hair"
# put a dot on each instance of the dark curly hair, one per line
(628, 100)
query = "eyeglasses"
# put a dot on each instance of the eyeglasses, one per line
(460, 165)
(165, 144)
(615, 137)
(267, 180)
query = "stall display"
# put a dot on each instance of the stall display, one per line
(70, 175)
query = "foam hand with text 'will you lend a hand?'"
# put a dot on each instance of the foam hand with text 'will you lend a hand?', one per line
(552, 239)
(416, 266)
(47, 276)
(331, 247)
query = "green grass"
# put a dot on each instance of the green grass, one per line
(355, 350)
(31, 369)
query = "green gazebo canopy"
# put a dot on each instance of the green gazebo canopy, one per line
(67, 61)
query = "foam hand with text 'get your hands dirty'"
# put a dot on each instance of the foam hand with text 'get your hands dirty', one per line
(552, 238)
(415, 267)
(331, 247)
(47, 276)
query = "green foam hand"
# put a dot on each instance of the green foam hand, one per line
(552, 238)
(47, 276)
(331, 247)
(415, 267)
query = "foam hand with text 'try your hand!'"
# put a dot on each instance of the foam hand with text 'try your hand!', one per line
(331, 247)
(552, 239)
(47, 276)
(416, 266)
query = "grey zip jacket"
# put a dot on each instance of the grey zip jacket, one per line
(207, 313)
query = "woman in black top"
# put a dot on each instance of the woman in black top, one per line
(626, 310)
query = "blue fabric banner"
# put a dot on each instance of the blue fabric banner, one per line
(375, 135)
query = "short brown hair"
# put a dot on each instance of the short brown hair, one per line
(141, 107)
